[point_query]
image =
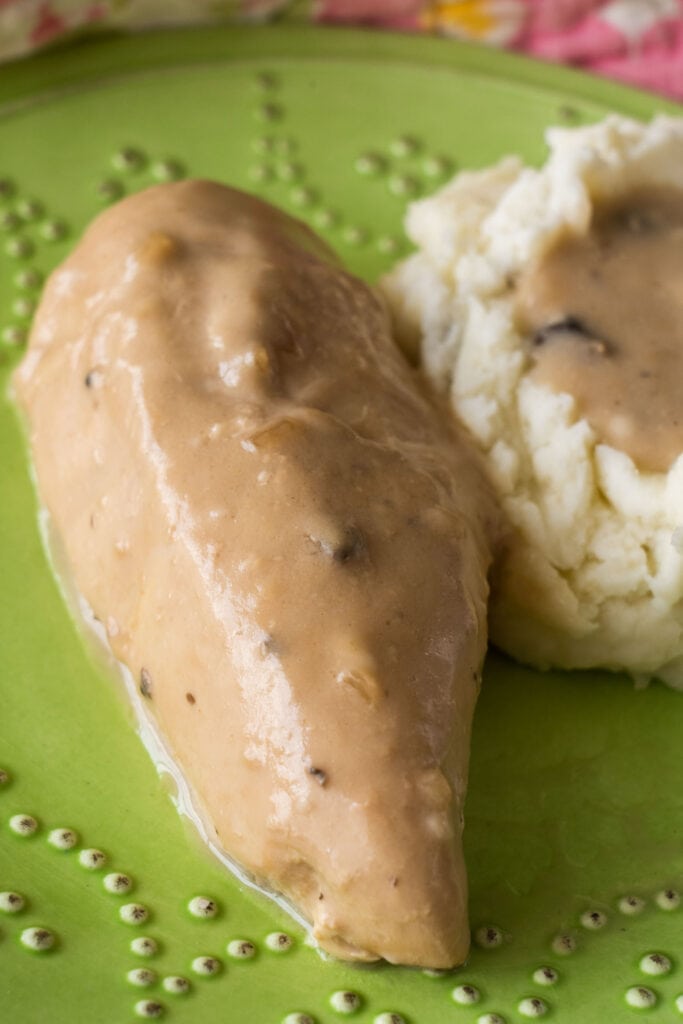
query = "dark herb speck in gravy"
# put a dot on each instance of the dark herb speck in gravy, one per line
(604, 315)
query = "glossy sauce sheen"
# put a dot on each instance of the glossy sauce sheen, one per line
(604, 313)
(287, 545)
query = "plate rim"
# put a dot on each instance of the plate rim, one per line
(105, 55)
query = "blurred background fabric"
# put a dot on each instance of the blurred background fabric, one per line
(637, 41)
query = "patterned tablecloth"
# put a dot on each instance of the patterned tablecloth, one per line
(638, 41)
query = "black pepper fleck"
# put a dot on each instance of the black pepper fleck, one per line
(145, 683)
(352, 546)
(269, 646)
(569, 114)
(318, 774)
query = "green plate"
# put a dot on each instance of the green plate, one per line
(575, 815)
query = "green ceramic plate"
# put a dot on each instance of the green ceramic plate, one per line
(575, 816)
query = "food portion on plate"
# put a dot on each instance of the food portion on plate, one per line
(287, 544)
(548, 305)
(285, 534)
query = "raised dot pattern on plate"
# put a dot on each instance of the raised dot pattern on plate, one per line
(345, 1001)
(466, 995)
(241, 949)
(279, 942)
(28, 225)
(117, 884)
(24, 824)
(142, 977)
(176, 985)
(202, 906)
(11, 902)
(400, 167)
(39, 939)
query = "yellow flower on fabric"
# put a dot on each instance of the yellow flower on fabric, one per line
(487, 21)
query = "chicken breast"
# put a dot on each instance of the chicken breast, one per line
(287, 544)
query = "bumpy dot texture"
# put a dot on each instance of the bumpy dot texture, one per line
(488, 937)
(279, 942)
(546, 976)
(345, 1001)
(63, 838)
(39, 940)
(640, 998)
(23, 824)
(466, 995)
(133, 913)
(593, 920)
(532, 1006)
(149, 1008)
(206, 966)
(176, 985)
(564, 945)
(93, 860)
(11, 902)
(631, 905)
(144, 946)
(117, 884)
(202, 906)
(142, 977)
(655, 963)
(241, 949)
(668, 899)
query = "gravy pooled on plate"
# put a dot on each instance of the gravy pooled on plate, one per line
(605, 313)
(287, 545)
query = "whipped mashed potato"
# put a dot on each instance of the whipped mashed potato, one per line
(593, 575)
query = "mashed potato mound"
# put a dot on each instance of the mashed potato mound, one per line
(593, 575)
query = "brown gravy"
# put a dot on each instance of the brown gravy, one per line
(287, 545)
(604, 314)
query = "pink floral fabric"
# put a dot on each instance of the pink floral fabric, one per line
(637, 41)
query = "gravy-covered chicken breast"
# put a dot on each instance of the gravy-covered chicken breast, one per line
(287, 544)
